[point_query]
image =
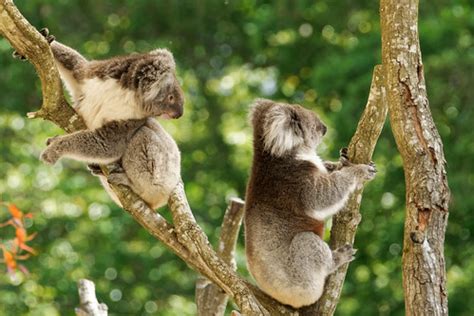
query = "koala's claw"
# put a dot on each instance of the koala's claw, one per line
(95, 169)
(50, 140)
(343, 152)
(45, 32)
(343, 255)
(344, 157)
(372, 167)
(19, 56)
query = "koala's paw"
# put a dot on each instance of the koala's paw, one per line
(344, 157)
(45, 32)
(50, 140)
(115, 167)
(343, 255)
(367, 172)
(50, 156)
(95, 169)
(19, 56)
(118, 179)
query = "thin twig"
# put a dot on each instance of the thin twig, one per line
(90, 306)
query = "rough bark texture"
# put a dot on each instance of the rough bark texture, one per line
(344, 224)
(211, 300)
(90, 306)
(31, 44)
(427, 192)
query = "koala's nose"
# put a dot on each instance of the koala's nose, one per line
(324, 129)
(178, 112)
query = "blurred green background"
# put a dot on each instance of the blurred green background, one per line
(316, 53)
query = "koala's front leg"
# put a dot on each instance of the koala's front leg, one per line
(103, 145)
(98, 146)
(81, 146)
(343, 161)
(68, 58)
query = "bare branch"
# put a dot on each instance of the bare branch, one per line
(191, 235)
(211, 299)
(89, 304)
(344, 224)
(30, 43)
(419, 143)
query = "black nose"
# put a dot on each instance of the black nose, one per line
(324, 129)
(178, 112)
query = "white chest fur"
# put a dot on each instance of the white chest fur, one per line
(106, 100)
(314, 158)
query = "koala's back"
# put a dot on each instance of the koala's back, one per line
(152, 163)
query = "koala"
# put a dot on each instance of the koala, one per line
(120, 88)
(150, 158)
(289, 195)
(117, 99)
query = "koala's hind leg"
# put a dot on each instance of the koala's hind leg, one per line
(342, 255)
(152, 163)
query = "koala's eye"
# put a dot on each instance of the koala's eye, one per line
(324, 129)
(171, 98)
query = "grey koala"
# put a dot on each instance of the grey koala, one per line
(117, 99)
(290, 192)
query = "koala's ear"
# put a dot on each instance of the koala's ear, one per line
(165, 57)
(282, 130)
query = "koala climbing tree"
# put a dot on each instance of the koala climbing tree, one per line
(416, 137)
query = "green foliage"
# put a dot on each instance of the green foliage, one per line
(319, 54)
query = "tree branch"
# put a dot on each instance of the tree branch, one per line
(89, 304)
(345, 223)
(30, 43)
(419, 143)
(211, 299)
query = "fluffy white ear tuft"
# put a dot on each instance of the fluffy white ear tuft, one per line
(165, 55)
(281, 133)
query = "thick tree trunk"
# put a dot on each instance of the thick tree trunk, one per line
(427, 192)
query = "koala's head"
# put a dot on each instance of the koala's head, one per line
(159, 89)
(283, 128)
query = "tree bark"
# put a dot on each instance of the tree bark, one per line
(345, 223)
(427, 192)
(211, 300)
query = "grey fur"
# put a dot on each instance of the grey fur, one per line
(117, 98)
(150, 157)
(150, 79)
(289, 193)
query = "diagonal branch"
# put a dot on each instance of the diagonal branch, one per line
(210, 299)
(31, 44)
(360, 150)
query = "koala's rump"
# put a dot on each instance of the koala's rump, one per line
(152, 164)
(286, 263)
